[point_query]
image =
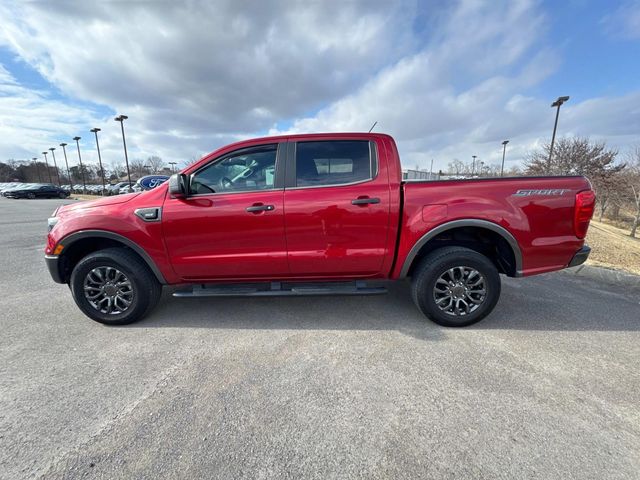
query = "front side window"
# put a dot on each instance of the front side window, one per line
(333, 162)
(246, 170)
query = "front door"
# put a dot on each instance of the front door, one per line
(231, 225)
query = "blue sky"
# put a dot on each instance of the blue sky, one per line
(447, 79)
(595, 60)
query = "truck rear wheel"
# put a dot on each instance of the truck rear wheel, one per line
(455, 286)
(113, 286)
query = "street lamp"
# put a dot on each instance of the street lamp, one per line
(96, 130)
(558, 103)
(481, 167)
(56, 166)
(504, 150)
(173, 166)
(84, 185)
(66, 162)
(47, 164)
(473, 165)
(121, 119)
(37, 169)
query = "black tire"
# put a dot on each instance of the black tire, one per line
(439, 263)
(145, 288)
(62, 195)
(31, 195)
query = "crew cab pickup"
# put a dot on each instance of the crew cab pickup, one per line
(311, 215)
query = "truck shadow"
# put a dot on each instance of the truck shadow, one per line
(547, 302)
(394, 311)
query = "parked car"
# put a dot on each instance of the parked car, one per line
(96, 190)
(314, 215)
(10, 186)
(116, 187)
(36, 190)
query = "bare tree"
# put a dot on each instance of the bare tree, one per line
(118, 170)
(456, 167)
(492, 170)
(155, 164)
(609, 192)
(191, 160)
(574, 156)
(633, 181)
(513, 171)
(137, 167)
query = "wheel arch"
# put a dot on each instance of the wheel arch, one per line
(425, 243)
(79, 244)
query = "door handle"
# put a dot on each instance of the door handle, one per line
(260, 208)
(364, 201)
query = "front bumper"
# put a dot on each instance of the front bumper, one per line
(580, 257)
(53, 262)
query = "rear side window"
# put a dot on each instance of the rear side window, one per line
(333, 162)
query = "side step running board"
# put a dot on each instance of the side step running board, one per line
(277, 289)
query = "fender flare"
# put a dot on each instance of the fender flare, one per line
(82, 234)
(471, 222)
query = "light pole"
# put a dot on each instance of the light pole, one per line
(473, 165)
(84, 185)
(47, 164)
(558, 103)
(121, 119)
(96, 130)
(37, 169)
(55, 165)
(66, 162)
(481, 167)
(173, 166)
(504, 151)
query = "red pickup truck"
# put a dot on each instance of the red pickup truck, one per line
(313, 215)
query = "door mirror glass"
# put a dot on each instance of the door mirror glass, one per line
(178, 185)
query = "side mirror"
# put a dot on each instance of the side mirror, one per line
(178, 185)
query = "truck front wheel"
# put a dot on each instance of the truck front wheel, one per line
(114, 286)
(455, 286)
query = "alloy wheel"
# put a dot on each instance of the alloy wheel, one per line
(460, 291)
(108, 290)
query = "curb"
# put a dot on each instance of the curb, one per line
(606, 275)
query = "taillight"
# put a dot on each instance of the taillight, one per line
(585, 204)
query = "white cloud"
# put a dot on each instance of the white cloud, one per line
(202, 70)
(31, 121)
(447, 80)
(433, 115)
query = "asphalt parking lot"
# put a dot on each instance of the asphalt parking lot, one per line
(352, 387)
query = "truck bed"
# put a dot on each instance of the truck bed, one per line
(537, 211)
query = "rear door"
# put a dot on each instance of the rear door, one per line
(337, 208)
(232, 223)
